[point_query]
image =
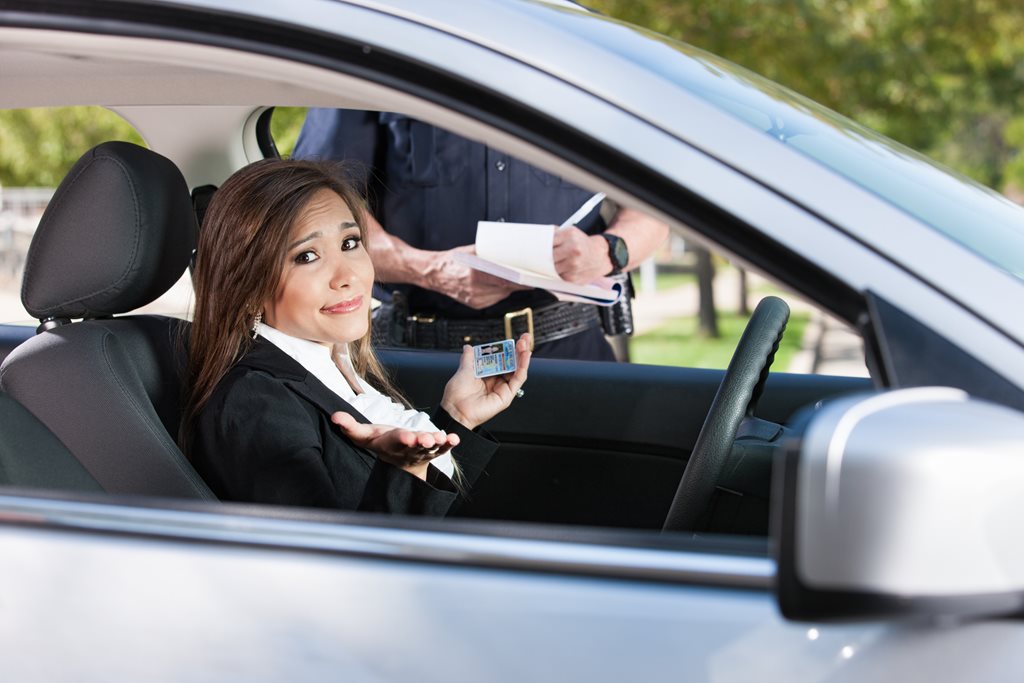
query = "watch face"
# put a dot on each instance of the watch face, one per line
(620, 255)
(617, 252)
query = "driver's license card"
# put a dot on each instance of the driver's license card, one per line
(495, 358)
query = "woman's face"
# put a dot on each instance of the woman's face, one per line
(324, 293)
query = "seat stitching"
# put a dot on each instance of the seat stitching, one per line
(161, 436)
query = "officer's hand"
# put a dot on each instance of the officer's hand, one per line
(466, 285)
(580, 257)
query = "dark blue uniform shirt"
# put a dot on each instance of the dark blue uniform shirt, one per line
(429, 187)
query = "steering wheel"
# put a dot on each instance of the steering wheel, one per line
(736, 398)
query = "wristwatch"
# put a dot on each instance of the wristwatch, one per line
(617, 252)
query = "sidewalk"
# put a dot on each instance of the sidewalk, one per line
(828, 346)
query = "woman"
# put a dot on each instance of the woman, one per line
(286, 402)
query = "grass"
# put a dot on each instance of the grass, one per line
(680, 343)
(670, 280)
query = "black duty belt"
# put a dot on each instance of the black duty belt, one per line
(546, 323)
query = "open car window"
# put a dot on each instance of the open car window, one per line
(573, 466)
(691, 303)
(604, 466)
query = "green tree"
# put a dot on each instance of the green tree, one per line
(39, 146)
(941, 76)
(285, 125)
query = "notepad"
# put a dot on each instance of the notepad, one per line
(522, 253)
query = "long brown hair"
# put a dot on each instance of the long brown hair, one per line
(239, 261)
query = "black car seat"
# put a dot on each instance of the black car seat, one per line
(117, 234)
(32, 457)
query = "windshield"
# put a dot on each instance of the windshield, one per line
(973, 215)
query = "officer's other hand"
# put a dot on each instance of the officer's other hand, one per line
(580, 257)
(466, 285)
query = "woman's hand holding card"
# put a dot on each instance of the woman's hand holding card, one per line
(472, 400)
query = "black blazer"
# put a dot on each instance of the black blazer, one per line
(266, 436)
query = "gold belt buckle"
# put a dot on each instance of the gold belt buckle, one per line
(511, 315)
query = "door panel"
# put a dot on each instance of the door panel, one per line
(593, 443)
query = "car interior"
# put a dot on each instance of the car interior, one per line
(90, 397)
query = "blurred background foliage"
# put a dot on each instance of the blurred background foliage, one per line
(38, 146)
(941, 76)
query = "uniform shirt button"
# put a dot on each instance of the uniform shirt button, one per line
(500, 165)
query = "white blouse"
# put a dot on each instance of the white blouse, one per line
(375, 406)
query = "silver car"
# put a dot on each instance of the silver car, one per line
(687, 525)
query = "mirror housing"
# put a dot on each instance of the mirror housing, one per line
(901, 502)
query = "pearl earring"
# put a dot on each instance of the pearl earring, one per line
(256, 324)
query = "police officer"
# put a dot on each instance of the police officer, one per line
(428, 187)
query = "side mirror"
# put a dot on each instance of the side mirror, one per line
(903, 502)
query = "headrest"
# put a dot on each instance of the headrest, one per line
(117, 234)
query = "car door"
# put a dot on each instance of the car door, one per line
(601, 444)
(236, 593)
